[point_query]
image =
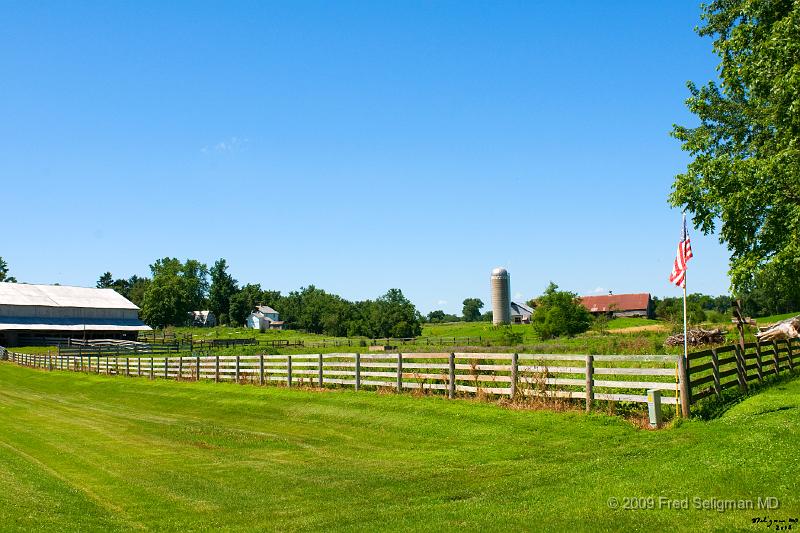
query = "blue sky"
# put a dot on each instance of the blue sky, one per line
(355, 146)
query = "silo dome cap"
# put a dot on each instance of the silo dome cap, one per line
(499, 271)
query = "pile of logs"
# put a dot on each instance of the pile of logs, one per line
(785, 329)
(698, 336)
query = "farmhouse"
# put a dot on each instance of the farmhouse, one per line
(264, 318)
(31, 314)
(520, 313)
(202, 319)
(620, 305)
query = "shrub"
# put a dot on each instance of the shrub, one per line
(559, 313)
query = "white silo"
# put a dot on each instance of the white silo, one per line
(501, 296)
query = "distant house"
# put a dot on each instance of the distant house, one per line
(264, 318)
(620, 305)
(520, 313)
(202, 319)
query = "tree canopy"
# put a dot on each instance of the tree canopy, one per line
(4, 272)
(175, 289)
(559, 313)
(744, 177)
(223, 287)
(472, 309)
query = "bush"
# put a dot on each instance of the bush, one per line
(559, 313)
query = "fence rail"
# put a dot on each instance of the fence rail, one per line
(581, 377)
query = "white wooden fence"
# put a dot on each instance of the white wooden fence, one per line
(583, 377)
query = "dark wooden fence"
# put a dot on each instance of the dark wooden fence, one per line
(714, 370)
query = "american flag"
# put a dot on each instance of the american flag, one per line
(678, 276)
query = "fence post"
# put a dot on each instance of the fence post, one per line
(715, 372)
(759, 368)
(166, 366)
(740, 375)
(216, 369)
(261, 369)
(358, 371)
(320, 370)
(49, 362)
(127, 367)
(237, 369)
(152, 368)
(197, 378)
(399, 372)
(683, 384)
(451, 388)
(514, 374)
(289, 370)
(180, 369)
(789, 354)
(589, 382)
(775, 357)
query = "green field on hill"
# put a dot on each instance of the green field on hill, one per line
(86, 452)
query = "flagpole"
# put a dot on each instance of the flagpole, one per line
(685, 338)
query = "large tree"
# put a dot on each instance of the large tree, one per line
(472, 309)
(744, 177)
(223, 287)
(176, 289)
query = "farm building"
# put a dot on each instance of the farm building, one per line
(264, 318)
(619, 305)
(36, 314)
(202, 319)
(520, 313)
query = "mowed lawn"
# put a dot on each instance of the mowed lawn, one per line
(85, 452)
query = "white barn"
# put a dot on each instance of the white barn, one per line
(30, 314)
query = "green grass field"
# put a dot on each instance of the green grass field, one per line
(85, 452)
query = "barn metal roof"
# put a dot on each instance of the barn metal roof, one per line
(62, 296)
(619, 302)
(520, 309)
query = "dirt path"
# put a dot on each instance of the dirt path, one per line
(634, 329)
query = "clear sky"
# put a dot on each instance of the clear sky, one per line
(356, 146)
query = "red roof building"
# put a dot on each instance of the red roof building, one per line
(640, 305)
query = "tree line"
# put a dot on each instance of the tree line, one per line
(175, 288)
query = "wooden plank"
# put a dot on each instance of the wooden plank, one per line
(699, 355)
(581, 395)
(635, 371)
(662, 385)
(702, 394)
(701, 368)
(622, 397)
(553, 369)
(702, 381)
(495, 368)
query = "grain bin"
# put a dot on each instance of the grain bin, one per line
(501, 296)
